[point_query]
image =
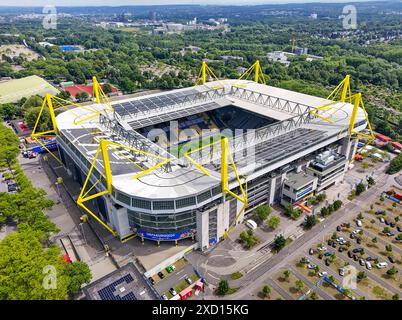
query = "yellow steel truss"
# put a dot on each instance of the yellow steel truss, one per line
(206, 71)
(100, 96)
(226, 162)
(52, 104)
(103, 149)
(258, 74)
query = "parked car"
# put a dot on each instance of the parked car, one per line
(189, 281)
(391, 259)
(172, 292)
(339, 239)
(382, 265)
(330, 242)
(355, 257)
(350, 254)
(311, 266)
(338, 228)
(311, 251)
(392, 225)
(386, 222)
(368, 265)
(327, 261)
(328, 253)
(161, 275)
(320, 256)
(380, 212)
(341, 272)
(359, 223)
(334, 244)
(169, 269)
(390, 234)
(371, 258)
(341, 249)
(322, 273)
(163, 296)
(382, 220)
(357, 250)
(352, 236)
(362, 262)
(356, 231)
(322, 248)
(399, 228)
(151, 280)
(359, 240)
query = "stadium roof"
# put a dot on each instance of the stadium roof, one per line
(14, 90)
(295, 134)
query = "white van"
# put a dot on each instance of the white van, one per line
(359, 223)
(251, 224)
(382, 265)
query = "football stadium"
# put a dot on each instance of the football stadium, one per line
(194, 162)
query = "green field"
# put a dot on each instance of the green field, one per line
(181, 149)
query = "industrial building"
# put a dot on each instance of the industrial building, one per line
(144, 171)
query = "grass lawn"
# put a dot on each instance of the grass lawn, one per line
(236, 275)
(197, 143)
(232, 290)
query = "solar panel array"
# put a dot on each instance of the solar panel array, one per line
(109, 292)
(152, 103)
(172, 115)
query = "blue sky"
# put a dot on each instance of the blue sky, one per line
(148, 2)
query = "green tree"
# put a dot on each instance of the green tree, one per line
(8, 147)
(78, 273)
(44, 123)
(311, 221)
(82, 96)
(395, 165)
(360, 188)
(65, 95)
(23, 279)
(361, 275)
(279, 243)
(392, 271)
(107, 88)
(274, 222)
(223, 287)
(262, 212)
(299, 285)
(286, 274)
(266, 291)
(395, 296)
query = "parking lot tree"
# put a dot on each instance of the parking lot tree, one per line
(303, 260)
(274, 222)
(332, 256)
(347, 292)
(397, 219)
(279, 243)
(374, 240)
(360, 216)
(286, 274)
(334, 235)
(248, 239)
(361, 275)
(360, 188)
(399, 236)
(223, 287)
(392, 271)
(386, 230)
(388, 247)
(314, 296)
(331, 278)
(317, 269)
(395, 296)
(365, 165)
(299, 284)
(266, 291)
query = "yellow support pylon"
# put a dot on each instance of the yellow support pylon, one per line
(99, 95)
(258, 74)
(206, 71)
(103, 148)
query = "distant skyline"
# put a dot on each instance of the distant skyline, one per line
(39, 3)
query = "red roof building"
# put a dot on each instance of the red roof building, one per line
(383, 137)
(77, 88)
(397, 145)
